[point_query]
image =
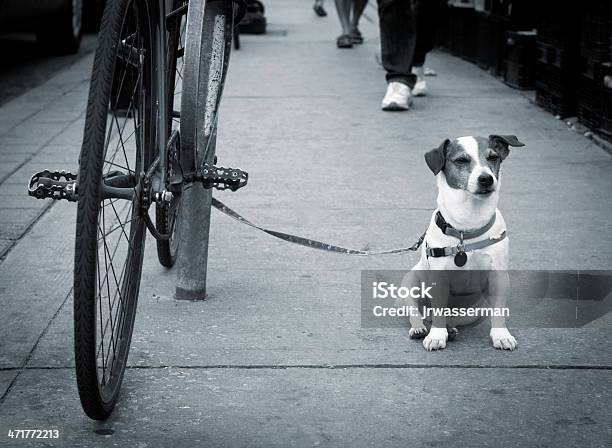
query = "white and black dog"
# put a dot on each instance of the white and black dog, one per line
(467, 232)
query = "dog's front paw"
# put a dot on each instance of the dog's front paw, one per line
(502, 339)
(417, 332)
(436, 339)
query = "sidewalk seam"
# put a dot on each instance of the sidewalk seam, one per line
(45, 208)
(43, 145)
(30, 354)
(335, 367)
(14, 242)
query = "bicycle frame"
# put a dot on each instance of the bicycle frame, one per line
(162, 137)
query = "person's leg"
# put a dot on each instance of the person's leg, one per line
(344, 10)
(420, 86)
(397, 20)
(426, 31)
(357, 10)
(319, 9)
(419, 55)
(420, 52)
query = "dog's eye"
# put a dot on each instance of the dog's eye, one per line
(461, 160)
(492, 157)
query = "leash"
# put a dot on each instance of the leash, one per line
(307, 242)
(458, 251)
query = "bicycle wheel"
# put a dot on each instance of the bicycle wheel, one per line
(119, 139)
(167, 215)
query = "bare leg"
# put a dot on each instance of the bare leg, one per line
(344, 10)
(357, 10)
(318, 8)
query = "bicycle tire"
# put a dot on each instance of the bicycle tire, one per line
(126, 45)
(167, 215)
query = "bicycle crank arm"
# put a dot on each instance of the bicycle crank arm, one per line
(62, 184)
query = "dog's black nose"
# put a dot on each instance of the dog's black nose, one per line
(485, 180)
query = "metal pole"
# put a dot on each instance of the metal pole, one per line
(192, 261)
(205, 65)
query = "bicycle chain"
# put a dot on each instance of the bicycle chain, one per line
(66, 188)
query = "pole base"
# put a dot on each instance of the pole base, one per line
(189, 294)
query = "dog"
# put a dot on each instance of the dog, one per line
(467, 233)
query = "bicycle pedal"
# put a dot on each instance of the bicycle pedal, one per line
(222, 178)
(54, 185)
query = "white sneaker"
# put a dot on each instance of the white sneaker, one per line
(420, 88)
(398, 97)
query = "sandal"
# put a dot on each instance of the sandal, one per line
(344, 41)
(356, 37)
(319, 10)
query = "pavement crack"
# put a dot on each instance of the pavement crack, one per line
(375, 366)
(46, 208)
(25, 231)
(336, 367)
(40, 149)
(30, 354)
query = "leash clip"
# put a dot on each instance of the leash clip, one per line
(461, 245)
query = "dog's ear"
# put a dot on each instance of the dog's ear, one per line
(502, 142)
(437, 157)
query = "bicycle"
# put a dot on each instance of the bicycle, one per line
(150, 135)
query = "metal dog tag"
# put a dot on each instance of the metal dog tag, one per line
(460, 259)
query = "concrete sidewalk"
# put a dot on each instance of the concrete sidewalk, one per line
(276, 356)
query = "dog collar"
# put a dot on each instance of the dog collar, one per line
(448, 229)
(437, 252)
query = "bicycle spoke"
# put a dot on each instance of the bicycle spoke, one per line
(127, 114)
(115, 228)
(106, 262)
(114, 251)
(119, 285)
(120, 313)
(120, 129)
(109, 319)
(121, 141)
(115, 318)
